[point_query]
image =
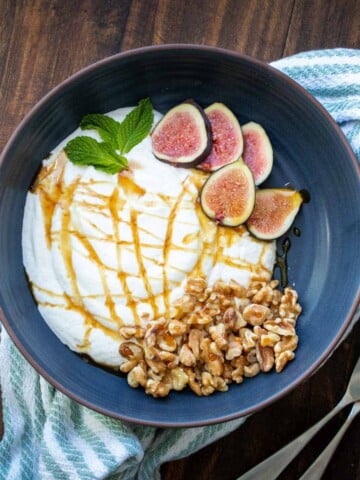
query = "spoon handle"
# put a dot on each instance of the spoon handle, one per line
(271, 467)
(315, 471)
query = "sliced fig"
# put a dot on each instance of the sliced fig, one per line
(228, 194)
(226, 136)
(258, 153)
(274, 211)
(183, 135)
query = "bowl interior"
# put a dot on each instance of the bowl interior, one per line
(309, 152)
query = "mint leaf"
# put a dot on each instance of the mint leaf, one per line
(136, 126)
(87, 151)
(117, 138)
(107, 127)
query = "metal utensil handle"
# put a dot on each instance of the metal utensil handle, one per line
(271, 467)
(316, 469)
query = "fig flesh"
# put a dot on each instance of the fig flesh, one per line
(258, 153)
(183, 135)
(274, 211)
(227, 139)
(228, 194)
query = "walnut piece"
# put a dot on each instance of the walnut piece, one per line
(256, 314)
(213, 336)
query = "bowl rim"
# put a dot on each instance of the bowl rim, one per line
(187, 47)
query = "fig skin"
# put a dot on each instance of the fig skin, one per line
(258, 152)
(274, 212)
(228, 195)
(177, 140)
(227, 138)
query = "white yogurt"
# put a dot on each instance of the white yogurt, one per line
(102, 251)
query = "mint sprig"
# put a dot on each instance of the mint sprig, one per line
(136, 126)
(87, 151)
(118, 138)
(106, 126)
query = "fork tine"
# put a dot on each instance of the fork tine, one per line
(317, 468)
(271, 467)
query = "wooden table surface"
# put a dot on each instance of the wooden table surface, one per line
(44, 41)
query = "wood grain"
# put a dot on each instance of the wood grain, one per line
(267, 431)
(319, 24)
(248, 26)
(42, 42)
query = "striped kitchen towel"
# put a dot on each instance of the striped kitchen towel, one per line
(48, 436)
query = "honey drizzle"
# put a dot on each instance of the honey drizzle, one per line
(65, 239)
(190, 238)
(132, 191)
(219, 254)
(50, 198)
(207, 247)
(139, 258)
(109, 302)
(45, 290)
(130, 188)
(168, 244)
(114, 210)
(90, 321)
(48, 202)
(51, 194)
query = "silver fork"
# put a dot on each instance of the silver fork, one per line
(316, 469)
(272, 466)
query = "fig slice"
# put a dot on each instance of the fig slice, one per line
(228, 195)
(258, 153)
(274, 211)
(183, 135)
(227, 137)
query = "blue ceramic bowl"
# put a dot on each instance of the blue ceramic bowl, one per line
(310, 152)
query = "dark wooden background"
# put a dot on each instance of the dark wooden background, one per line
(44, 41)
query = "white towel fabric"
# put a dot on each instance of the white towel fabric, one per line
(48, 436)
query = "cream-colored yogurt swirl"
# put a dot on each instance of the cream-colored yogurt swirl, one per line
(102, 251)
